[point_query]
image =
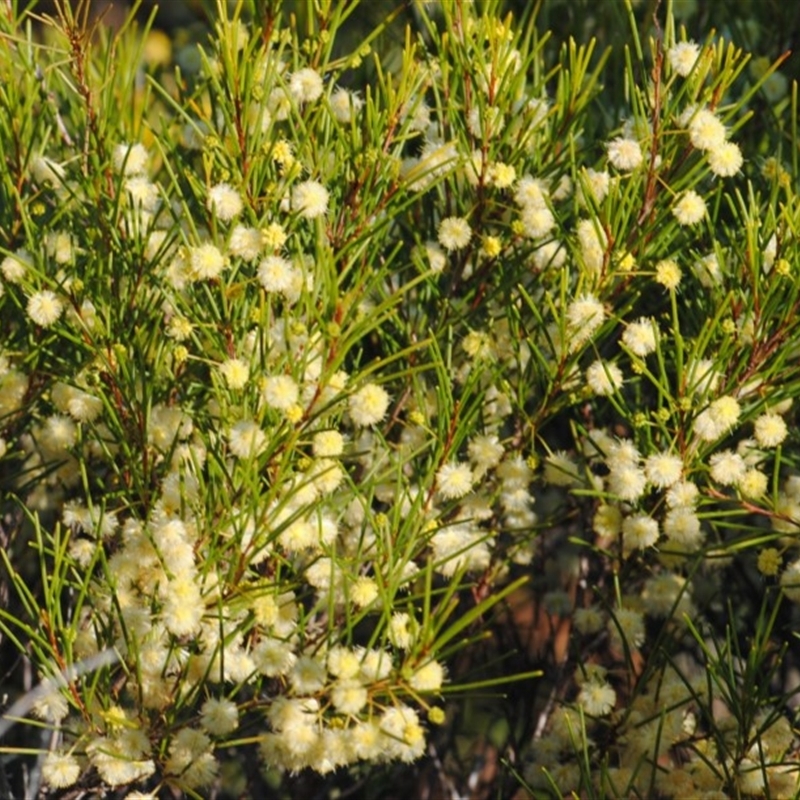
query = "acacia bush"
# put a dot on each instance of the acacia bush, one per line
(325, 374)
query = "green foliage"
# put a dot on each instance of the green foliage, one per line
(335, 388)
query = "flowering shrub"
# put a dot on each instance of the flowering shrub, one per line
(300, 382)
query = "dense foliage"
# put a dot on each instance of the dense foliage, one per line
(349, 385)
